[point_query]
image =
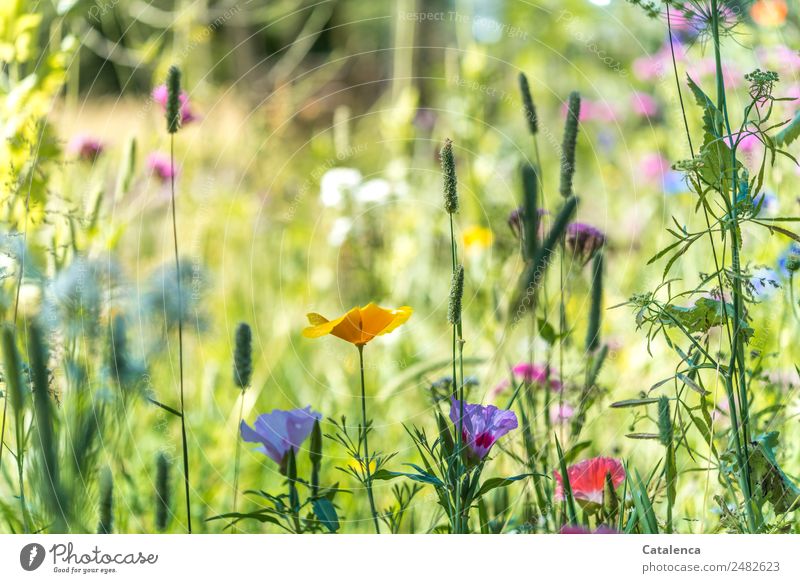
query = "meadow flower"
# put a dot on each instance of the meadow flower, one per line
(789, 261)
(587, 479)
(476, 238)
(539, 374)
(593, 111)
(764, 282)
(160, 96)
(336, 183)
(161, 166)
(360, 466)
(561, 413)
(654, 166)
(339, 231)
(374, 191)
(583, 241)
(359, 325)
(769, 13)
(644, 105)
(482, 425)
(515, 219)
(279, 431)
(86, 147)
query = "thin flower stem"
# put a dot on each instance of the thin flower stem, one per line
(737, 348)
(457, 393)
(237, 459)
(364, 431)
(180, 335)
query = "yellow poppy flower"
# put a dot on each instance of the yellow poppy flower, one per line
(477, 237)
(769, 12)
(359, 325)
(359, 465)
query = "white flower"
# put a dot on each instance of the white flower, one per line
(336, 182)
(376, 190)
(339, 231)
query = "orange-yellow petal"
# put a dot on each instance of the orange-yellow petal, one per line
(348, 327)
(399, 317)
(359, 325)
(319, 326)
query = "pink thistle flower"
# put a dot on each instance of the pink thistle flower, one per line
(583, 241)
(161, 166)
(280, 431)
(86, 147)
(482, 426)
(588, 479)
(160, 95)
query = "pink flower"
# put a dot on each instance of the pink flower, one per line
(482, 426)
(654, 166)
(160, 95)
(588, 479)
(161, 166)
(644, 105)
(280, 431)
(86, 147)
(578, 529)
(532, 374)
(594, 111)
(561, 413)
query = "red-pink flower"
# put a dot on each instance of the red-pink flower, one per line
(161, 166)
(86, 147)
(539, 374)
(588, 479)
(160, 95)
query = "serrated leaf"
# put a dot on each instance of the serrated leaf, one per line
(790, 132)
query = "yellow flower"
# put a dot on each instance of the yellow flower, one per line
(477, 237)
(358, 465)
(359, 325)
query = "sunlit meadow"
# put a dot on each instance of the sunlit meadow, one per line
(458, 266)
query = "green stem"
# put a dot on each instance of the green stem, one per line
(184, 442)
(457, 391)
(364, 431)
(737, 349)
(237, 459)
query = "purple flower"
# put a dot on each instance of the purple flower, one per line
(160, 95)
(279, 431)
(86, 147)
(583, 240)
(160, 165)
(516, 219)
(578, 529)
(482, 426)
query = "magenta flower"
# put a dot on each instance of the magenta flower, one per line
(160, 95)
(482, 426)
(583, 240)
(588, 479)
(86, 147)
(279, 431)
(594, 111)
(539, 374)
(161, 166)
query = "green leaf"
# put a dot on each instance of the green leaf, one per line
(634, 402)
(424, 478)
(325, 512)
(712, 117)
(493, 483)
(790, 132)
